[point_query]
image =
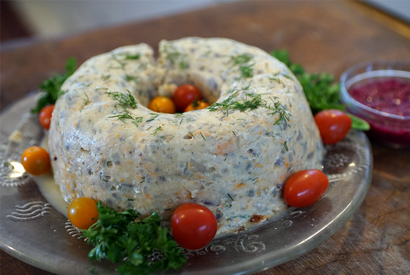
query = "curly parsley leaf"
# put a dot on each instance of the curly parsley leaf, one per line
(322, 93)
(117, 237)
(52, 86)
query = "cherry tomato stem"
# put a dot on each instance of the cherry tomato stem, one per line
(196, 106)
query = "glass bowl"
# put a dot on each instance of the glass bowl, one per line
(379, 92)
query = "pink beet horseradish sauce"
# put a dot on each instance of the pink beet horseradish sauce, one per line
(390, 96)
(382, 98)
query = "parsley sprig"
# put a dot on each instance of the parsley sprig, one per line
(52, 86)
(116, 236)
(321, 91)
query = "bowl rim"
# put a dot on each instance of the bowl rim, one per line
(346, 96)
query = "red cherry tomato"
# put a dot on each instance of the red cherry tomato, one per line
(333, 125)
(36, 160)
(193, 226)
(184, 95)
(83, 212)
(45, 116)
(305, 187)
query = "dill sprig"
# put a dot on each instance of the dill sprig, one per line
(251, 102)
(132, 78)
(175, 57)
(132, 56)
(154, 116)
(321, 91)
(159, 128)
(106, 77)
(241, 60)
(121, 63)
(125, 100)
(124, 116)
(86, 100)
(247, 70)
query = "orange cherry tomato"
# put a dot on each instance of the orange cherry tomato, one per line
(193, 226)
(305, 187)
(196, 106)
(333, 125)
(45, 116)
(83, 212)
(36, 161)
(162, 104)
(185, 95)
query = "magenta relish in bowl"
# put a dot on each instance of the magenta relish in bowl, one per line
(379, 92)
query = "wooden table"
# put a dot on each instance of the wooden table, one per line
(324, 36)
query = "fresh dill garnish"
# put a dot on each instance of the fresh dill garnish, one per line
(51, 87)
(241, 61)
(154, 116)
(122, 117)
(132, 56)
(125, 100)
(106, 77)
(159, 128)
(233, 132)
(286, 146)
(251, 102)
(137, 120)
(132, 78)
(176, 58)
(202, 136)
(178, 114)
(320, 89)
(181, 121)
(86, 100)
(192, 134)
(229, 195)
(121, 63)
(247, 70)
(117, 237)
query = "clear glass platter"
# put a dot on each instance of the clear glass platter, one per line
(34, 232)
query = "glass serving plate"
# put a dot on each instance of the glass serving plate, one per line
(34, 232)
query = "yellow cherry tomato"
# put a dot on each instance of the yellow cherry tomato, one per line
(196, 106)
(162, 104)
(36, 161)
(83, 212)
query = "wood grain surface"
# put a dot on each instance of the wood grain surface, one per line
(324, 36)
